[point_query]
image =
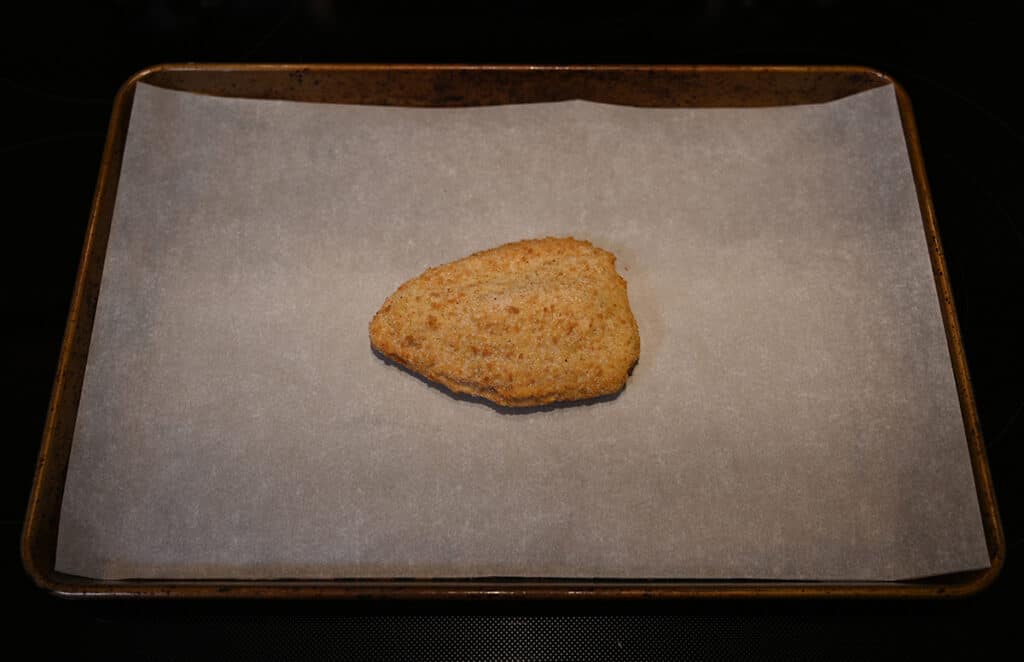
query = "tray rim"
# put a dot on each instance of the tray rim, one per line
(957, 585)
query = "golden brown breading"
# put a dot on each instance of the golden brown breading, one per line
(524, 324)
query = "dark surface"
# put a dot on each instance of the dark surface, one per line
(958, 63)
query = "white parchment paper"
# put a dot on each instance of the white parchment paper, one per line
(793, 414)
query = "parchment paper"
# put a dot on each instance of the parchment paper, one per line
(793, 414)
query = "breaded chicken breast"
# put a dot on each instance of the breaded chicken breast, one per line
(524, 324)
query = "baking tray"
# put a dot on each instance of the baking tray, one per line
(468, 85)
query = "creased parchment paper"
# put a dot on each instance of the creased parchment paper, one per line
(793, 414)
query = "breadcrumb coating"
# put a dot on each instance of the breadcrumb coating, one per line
(528, 323)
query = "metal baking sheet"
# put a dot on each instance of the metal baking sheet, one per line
(794, 414)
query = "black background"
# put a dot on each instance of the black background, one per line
(960, 64)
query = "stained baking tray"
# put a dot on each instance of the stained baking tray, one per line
(463, 85)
